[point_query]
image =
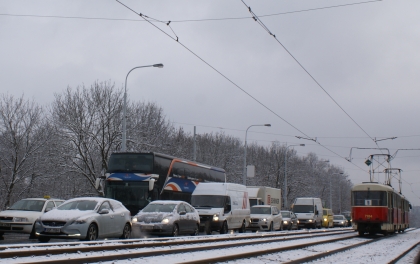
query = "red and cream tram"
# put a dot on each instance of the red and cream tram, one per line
(378, 208)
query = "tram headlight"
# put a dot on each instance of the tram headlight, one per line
(325, 219)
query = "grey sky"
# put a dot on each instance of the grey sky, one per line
(366, 56)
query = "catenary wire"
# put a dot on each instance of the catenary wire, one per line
(191, 20)
(229, 80)
(256, 18)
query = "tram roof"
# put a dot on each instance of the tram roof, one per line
(373, 186)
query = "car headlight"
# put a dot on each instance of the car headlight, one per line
(216, 217)
(79, 222)
(134, 220)
(285, 222)
(20, 219)
(165, 220)
(310, 220)
(325, 219)
(263, 219)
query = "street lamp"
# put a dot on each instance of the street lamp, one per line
(124, 134)
(285, 174)
(336, 173)
(246, 133)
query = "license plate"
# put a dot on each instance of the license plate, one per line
(5, 224)
(147, 227)
(52, 230)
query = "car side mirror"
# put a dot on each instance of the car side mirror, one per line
(182, 213)
(104, 211)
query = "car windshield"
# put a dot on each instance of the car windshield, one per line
(82, 205)
(303, 209)
(285, 214)
(212, 201)
(338, 217)
(28, 205)
(260, 210)
(157, 208)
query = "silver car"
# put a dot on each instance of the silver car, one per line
(340, 220)
(265, 217)
(21, 216)
(167, 218)
(87, 218)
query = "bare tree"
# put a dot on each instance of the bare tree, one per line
(88, 120)
(24, 133)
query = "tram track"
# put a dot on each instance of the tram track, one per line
(138, 248)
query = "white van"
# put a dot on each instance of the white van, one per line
(308, 211)
(221, 206)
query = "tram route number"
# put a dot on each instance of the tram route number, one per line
(368, 216)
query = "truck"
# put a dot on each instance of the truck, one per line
(261, 195)
(308, 211)
(221, 206)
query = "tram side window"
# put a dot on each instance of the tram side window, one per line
(369, 198)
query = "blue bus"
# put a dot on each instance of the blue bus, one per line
(135, 179)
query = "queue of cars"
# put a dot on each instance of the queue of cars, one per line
(90, 218)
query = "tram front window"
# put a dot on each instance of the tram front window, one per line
(133, 195)
(369, 198)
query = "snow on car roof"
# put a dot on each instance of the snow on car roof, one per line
(167, 202)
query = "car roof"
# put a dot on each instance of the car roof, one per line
(42, 199)
(262, 206)
(167, 202)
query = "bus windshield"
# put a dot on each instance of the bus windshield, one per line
(132, 162)
(133, 195)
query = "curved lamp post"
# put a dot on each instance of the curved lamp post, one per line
(124, 134)
(285, 175)
(246, 133)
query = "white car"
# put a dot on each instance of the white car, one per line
(340, 220)
(167, 218)
(21, 216)
(87, 218)
(265, 217)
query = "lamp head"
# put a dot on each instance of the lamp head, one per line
(159, 65)
(269, 125)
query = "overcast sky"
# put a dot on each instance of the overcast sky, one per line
(352, 74)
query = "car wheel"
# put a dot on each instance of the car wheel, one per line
(290, 227)
(281, 226)
(271, 227)
(126, 232)
(196, 231)
(43, 239)
(224, 228)
(175, 230)
(242, 229)
(92, 233)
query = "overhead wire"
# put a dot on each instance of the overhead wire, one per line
(229, 80)
(256, 18)
(191, 20)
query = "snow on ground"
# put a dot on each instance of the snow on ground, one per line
(382, 251)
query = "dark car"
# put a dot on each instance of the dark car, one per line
(347, 215)
(289, 220)
(167, 218)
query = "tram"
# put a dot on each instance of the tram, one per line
(378, 208)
